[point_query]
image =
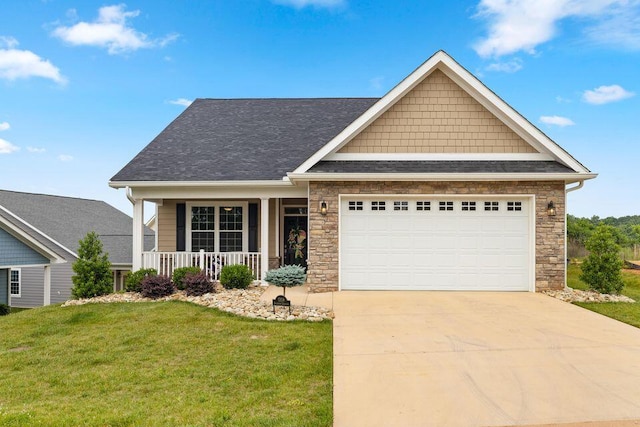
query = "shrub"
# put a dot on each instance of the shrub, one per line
(601, 269)
(4, 309)
(236, 276)
(286, 276)
(134, 279)
(197, 284)
(179, 275)
(156, 287)
(93, 270)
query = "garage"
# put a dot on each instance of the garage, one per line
(401, 242)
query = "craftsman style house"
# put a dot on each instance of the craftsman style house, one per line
(439, 184)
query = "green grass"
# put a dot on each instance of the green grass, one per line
(162, 364)
(622, 311)
(18, 309)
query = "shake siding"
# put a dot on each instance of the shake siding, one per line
(15, 253)
(437, 116)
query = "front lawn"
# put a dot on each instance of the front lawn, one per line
(623, 311)
(162, 364)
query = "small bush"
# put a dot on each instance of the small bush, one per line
(197, 284)
(93, 276)
(156, 287)
(236, 276)
(179, 275)
(134, 279)
(601, 269)
(286, 276)
(4, 309)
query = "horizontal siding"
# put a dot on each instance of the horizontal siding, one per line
(4, 285)
(166, 223)
(15, 253)
(61, 283)
(32, 288)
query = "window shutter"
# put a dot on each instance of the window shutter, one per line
(181, 228)
(253, 227)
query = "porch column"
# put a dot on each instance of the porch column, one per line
(47, 285)
(264, 238)
(138, 234)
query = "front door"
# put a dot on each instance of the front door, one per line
(295, 240)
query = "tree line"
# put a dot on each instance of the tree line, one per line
(625, 230)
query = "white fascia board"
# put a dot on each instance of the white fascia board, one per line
(567, 177)
(437, 156)
(475, 88)
(276, 189)
(28, 240)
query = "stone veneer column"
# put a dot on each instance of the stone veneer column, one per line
(550, 263)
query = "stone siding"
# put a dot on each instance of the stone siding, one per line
(324, 230)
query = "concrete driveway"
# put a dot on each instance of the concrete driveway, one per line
(484, 358)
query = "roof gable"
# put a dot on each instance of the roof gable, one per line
(485, 109)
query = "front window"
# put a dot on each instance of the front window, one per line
(218, 228)
(14, 282)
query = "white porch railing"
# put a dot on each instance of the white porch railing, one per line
(210, 262)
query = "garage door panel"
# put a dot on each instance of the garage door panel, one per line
(447, 250)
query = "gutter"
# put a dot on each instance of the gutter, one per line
(567, 177)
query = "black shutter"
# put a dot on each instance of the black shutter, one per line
(181, 228)
(253, 227)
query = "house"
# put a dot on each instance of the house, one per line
(438, 185)
(39, 237)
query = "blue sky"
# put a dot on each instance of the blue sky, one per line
(85, 85)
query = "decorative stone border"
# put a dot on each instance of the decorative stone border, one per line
(242, 302)
(576, 295)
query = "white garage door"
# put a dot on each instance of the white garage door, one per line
(434, 243)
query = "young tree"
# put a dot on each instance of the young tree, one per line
(93, 275)
(601, 269)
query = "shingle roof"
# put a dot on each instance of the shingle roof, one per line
(67, 220)
(242, 139)
(457, 166)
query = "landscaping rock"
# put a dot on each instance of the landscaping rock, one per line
(242, 302)
(576, 295)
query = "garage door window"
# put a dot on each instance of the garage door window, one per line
(423, 206)
(491, 206)
(468, 206)
(355, 206)
(378, 206)
(514, 206)
(446, 206)
(400, 206)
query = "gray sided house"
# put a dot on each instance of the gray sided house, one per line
(438, 185)
(39, 237)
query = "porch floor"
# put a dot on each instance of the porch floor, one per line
(300, 295)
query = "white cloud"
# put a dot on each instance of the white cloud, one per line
(522, 25)
(6, 147)
(506, 67)
(299, 4)
(606, 94)
(376, 82)
(36, 150)
(65, 158)
(22, 64)
(4, 126)
(557, 121)
(181, 101)
(111, 31)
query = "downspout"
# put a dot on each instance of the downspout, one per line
(127, 191)
(567, 191)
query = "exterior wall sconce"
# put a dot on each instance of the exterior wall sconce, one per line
(323, 208)
(551, 209)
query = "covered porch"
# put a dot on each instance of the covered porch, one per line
(211, 229)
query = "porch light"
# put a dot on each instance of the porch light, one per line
(551, 209)
(227, 208)
(323, 208)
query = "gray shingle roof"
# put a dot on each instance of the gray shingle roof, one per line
(67, 220)
(457, 166)
(242, 139)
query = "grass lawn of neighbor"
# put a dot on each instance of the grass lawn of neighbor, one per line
(162, 364)
(623, 311)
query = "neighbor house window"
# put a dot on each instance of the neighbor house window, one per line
(14, 282)
(219, 227)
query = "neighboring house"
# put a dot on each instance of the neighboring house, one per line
(437, 185)
(39, 236)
